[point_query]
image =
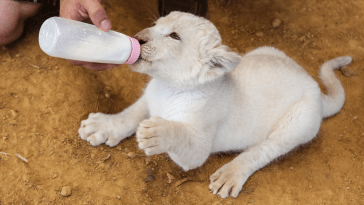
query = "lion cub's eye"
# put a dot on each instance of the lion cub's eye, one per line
(174, 35)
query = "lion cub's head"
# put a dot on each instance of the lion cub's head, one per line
(184, 50)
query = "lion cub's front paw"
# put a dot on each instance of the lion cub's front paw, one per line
(152, 136)
(228, 180)
(101, 128)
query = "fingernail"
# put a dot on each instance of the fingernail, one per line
(105, 25)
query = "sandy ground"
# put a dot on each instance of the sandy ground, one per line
(43, 100)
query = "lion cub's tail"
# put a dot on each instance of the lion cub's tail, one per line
(335, 98)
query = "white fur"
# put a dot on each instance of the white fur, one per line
(204, 98)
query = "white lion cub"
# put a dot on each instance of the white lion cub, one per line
(205, 98)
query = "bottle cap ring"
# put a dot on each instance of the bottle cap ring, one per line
(135, 51)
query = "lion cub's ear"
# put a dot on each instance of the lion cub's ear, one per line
(221, 60)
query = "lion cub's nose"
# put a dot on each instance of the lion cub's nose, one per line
(141, 42)
(142, 37)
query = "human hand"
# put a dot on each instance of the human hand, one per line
(80, 10)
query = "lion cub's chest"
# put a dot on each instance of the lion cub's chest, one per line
(172, 103)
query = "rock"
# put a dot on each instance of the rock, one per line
(302, 38)
(170, 178)
(151, 176)
(14, 113)
(107, 95)
(66, 191)
(131, 155)
(276, 23)
(259, 34)
(147, 161)
(291, 168)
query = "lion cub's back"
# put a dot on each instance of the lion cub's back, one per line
(269, 71)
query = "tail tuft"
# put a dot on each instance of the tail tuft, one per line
(335, 98)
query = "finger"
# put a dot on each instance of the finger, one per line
(99, 66)
(97, 15)
(72, 10)
(94, 66)
(78, 63)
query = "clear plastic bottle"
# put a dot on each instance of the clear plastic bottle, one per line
(74, 40)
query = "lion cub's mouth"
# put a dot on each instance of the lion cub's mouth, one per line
(141, 59)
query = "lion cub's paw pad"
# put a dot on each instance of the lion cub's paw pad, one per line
(151, 136)
(97, 129)
(228, 180)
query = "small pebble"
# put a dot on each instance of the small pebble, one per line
(309, 186)
(107, 95)
(66, 191)
(147, 161)
(14, 113)
(259, 34)
(291, 168)
(131, 155)
(118, 197)
(170, 178)
(151, 176)
(276, 23)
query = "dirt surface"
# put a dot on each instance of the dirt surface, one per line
(43, 100)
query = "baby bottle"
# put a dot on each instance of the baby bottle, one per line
(74, 40)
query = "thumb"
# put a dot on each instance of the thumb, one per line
(98, 15)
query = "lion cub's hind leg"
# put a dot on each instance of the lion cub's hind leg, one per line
(298, 126)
